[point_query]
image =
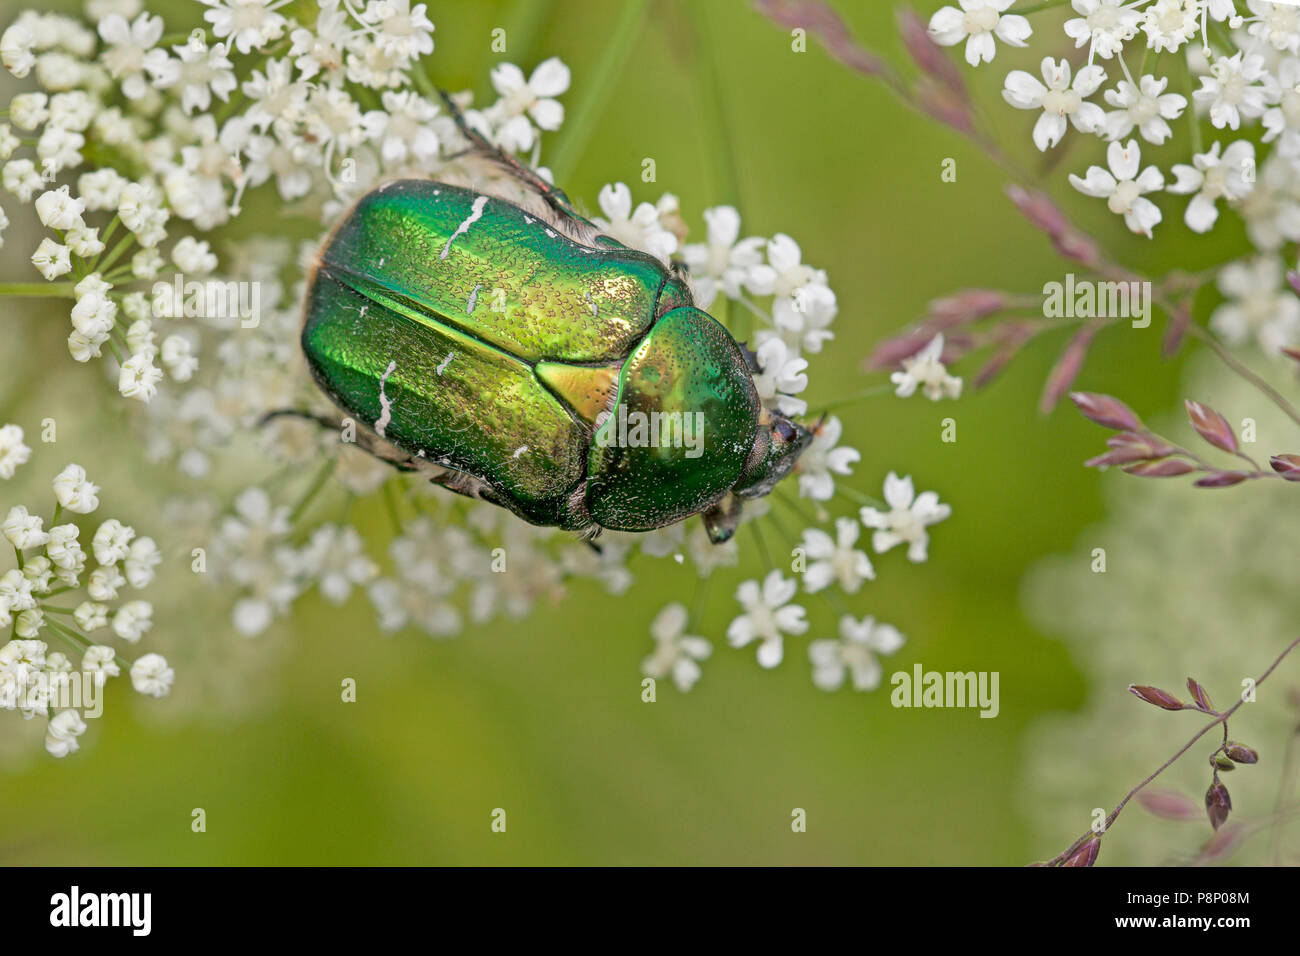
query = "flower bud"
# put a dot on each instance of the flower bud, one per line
(1200, 695)
(1218, 804)
(1106, 411)
(1169, 468)
(1154, 695)
(1288, 466)
(1086, 855)
(1240, 753)
(1212, 426)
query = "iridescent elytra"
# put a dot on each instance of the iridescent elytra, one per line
(506, 349)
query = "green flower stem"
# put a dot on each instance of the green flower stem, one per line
(701, 599)
(524, 22)
(390, 502)
(793, 506)
(859, 396)
(1198, 145)
(116, 254)
(597, 89)
(726, 181)
(863, 499)
(52, 290)
(762, 545)
(1036, 7)
(317, 484)
(83, 643)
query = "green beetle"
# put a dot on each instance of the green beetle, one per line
(529, 361)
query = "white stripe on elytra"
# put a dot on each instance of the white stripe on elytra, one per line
(476, 211)
(385, 403)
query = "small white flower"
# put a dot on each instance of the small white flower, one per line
(926, 371)
(336, 558)
(22, 179)
(978, 22)
(907, 519)
(250, 24)
(104, 583)
(83, 242)
(639, 228)
(822, 458)
(101, 661)
(13, 452)
(139, 562)
(1212, 178)
(768, 615)
(1106, 25)
(29, 622)
(1171, 23)
(675, 653)
(39, 570)
(15, 593)
(112, 542)
(781, 377)
(64, 550)
(803, 320)
(1146, 107)
(836, 559)
(132, 619)
(24, 530)
(853, 654)
(52, 259)
(74, 491)
(29, 110)
(723, 262)
(129, 49)
(1275, 23)
(402, 31)
(522, 100)
(1237, 86)
(203, 71)
(1062, 101)
(1259, 305)
(178, 357)
(94, 315)
(139, 377)
(16, 46)
(151, 676)
(90, 616)
(784, 273)
(62, 731)
(1124, 188)
(58, 209)
(403, 128)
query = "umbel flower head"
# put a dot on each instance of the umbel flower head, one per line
(140, 157)
(73, 588)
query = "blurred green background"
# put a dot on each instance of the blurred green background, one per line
(543, 718)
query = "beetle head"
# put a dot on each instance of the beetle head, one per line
(778, 443)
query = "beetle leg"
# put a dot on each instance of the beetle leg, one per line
(386, 453)
(553, 195)
(722, 519)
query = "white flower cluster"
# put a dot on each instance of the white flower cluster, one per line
(141, 144)
(768, 615)
(1243, 77)
(39, 597)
